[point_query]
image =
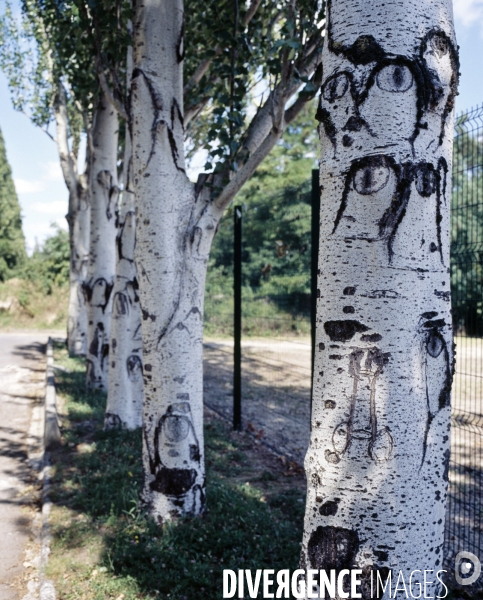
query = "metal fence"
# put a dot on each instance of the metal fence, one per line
(270, 329)
(464, 520)
(275, 348)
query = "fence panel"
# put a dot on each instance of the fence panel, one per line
(276, 330)
(464, 513)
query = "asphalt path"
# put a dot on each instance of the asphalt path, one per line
(22, 365)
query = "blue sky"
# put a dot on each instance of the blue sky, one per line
(34, 159)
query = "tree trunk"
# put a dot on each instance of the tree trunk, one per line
(377, 463)
(102, 258)
(78, 219)
(125, 393)
(175, 227)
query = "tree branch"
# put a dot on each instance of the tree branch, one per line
(205, 65)
(279, 121)
(119, 106)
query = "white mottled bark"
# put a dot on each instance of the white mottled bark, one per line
(102, 257)
(125, 393)
(175, 227)
(175, 223)
(78, 221)
(377, 461)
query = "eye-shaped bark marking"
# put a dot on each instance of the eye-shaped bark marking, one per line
(363, 363)
(425, 179)
(134, 368)
(121, 304)
(437, 368)
(126, 237)
(371, 176)
(176, 451)
(396, 73)
(336, 86)
(441, 45)
(98, 293)
(112, 421)
(395, 78)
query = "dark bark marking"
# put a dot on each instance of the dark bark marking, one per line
(433, 346)
(147, 316)
(121, 304)
(370, 174)
(343, 331)
(174, 150)
(134, 367)
(371, 337)
(176, 427)
(323, 115)
(329, 509)
(366, 49)
(332, 548)
(173, 482)
(391, 294)
(349, 291)
(348, 310)
(441, 44)
(112, 421)
(180, 53)
(443, 295)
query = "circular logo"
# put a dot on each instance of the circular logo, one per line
(467, 568)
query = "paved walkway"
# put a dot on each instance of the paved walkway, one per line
(22, 375)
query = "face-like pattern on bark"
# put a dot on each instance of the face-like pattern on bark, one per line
(176, 458)
(379, 449)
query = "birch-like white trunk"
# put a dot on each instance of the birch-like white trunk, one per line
(79, 224)
(377, 462)
(125, 393)
(102, 255)
(78, 220)
(175, 227)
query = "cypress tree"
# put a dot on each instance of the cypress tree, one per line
(12, 241)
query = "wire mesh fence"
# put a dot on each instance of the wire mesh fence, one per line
(276, 328)
(464, 517)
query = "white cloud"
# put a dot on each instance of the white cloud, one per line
(53, 208)
(53, 172)
(23, 186)
(468, 12)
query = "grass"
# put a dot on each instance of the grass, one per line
(26, 305)
(105, 547)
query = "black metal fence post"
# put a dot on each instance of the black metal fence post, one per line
(314, 267)
(237, 294)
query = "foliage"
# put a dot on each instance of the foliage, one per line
(49, 265)
(467, 230)
(250, 61)
(104, 545)
(276, 206)
(12, 241)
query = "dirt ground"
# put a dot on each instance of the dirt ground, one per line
(276, 377)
